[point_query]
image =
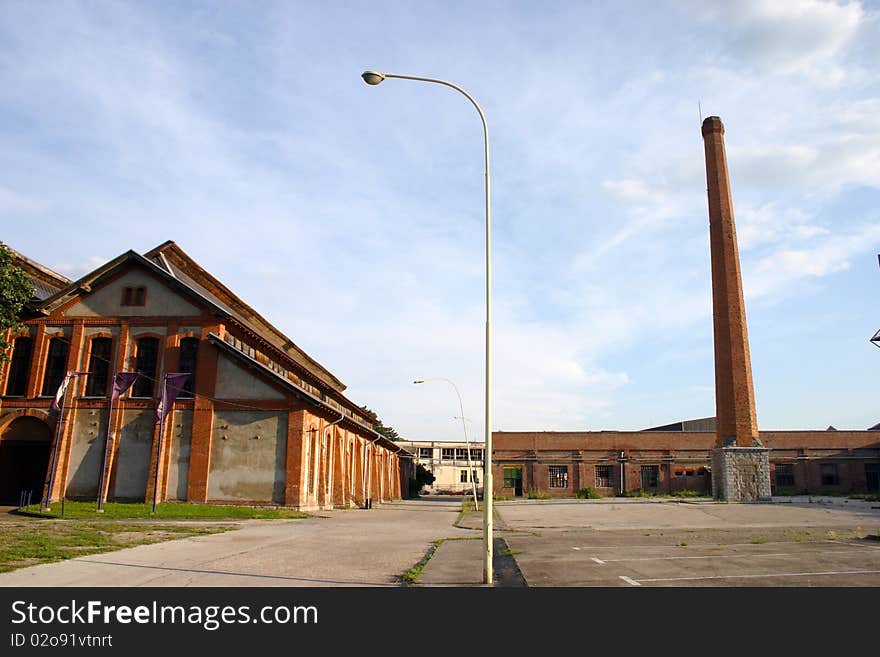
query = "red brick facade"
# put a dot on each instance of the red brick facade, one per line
(263, 425)
(681, 461)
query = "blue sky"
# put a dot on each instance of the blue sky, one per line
(352, 217)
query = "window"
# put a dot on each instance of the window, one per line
(426, 452)
(461, 454)
(56, 366)
(16, 385)
(463, 477)
(604, 476)
(189, 349)
(558, 476)
(146, 360)
(829, 474)
(784, 475)
(475, 476)
(650, 476)
(447, 454)
(476, 454)
(512, 476)
(99, 367)
(134, 296)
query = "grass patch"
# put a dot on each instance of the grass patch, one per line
(507, 552)
(164, 511)
(31, 543)
(534, 494)
(637, 493)
(867, 498)
(758, 541)
(588, 493)
(688, 493)
(500, 498)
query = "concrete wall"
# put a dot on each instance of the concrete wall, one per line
(178, 463)
(133, 455)
(107, 300)
(248, 456)
(86, 453)
(235, 382)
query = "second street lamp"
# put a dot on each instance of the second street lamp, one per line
(467, 441)
(373, 78)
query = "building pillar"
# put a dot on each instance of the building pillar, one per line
(737, 426)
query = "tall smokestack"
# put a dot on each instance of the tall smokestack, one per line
(734, 391)
(740, 466)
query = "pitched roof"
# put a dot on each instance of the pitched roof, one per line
(44, 281)
(172, 259)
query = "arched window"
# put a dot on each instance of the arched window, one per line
(99, 367)
(146, 364)
(189, 350)
(16, 384)
(56, 366)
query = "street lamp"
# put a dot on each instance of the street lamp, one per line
(466, 439)
(373, 78)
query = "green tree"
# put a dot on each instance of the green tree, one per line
(15, 291)
(389, 432)
(424, 477)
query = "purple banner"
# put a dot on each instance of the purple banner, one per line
(174, 383)
(122, 382)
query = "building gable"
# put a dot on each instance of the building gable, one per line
(134, 293)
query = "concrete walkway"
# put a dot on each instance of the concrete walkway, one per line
(342, 548)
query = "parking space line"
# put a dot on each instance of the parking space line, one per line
(629, 581)
(728, 556)
(695, 545)
(830, 572)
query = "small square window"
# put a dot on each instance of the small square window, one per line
(426, 452)
(134, 296)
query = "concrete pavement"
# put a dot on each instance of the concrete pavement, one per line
(342, 548)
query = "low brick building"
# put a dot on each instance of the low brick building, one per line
(259, 421)
(664, 462)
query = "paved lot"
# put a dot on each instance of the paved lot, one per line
(341, 548)
(652, 543)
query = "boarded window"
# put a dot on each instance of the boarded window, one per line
(558, 476)
(56, 366)
(16, 384)
(604, 476)
(146, 362)
(99, 367)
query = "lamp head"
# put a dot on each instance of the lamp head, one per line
(419, 381)
(372, 77)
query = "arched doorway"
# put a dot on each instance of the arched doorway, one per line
(25, 447)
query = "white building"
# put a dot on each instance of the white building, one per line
(449, 464)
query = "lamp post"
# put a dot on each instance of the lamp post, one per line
(373, 78)
(466, 439)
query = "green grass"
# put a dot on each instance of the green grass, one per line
(165, 511)
(33, 542)
(588, 493)
(638, 493)
(688, 493)
(534, 494)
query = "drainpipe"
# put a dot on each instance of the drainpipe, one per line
(622, 459)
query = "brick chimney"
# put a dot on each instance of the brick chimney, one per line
(734, 391)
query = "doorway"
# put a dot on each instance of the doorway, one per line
(513, 479)
(25, 447)
(872, 477)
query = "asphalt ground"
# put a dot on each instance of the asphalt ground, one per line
(651, 543)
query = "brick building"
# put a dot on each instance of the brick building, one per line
(676, 458)
(259, 421)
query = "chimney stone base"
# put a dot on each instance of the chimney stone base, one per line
(741, 474)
